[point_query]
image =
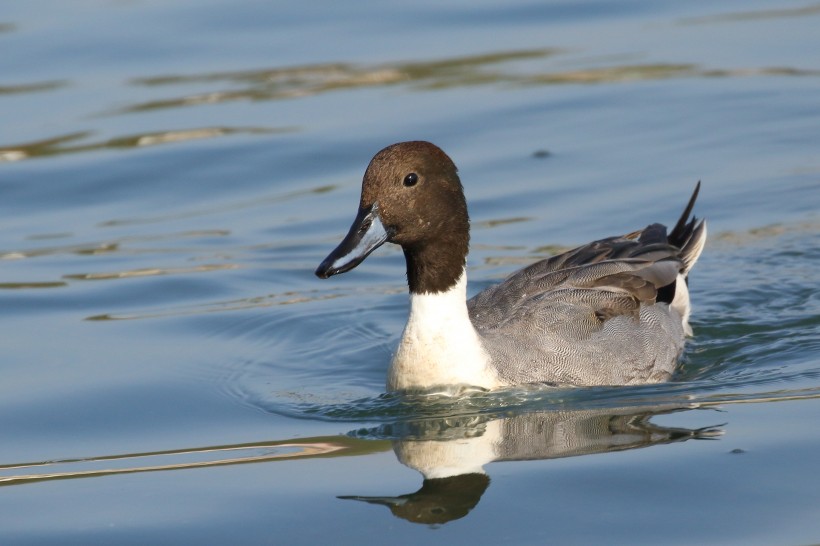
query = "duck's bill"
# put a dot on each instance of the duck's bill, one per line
(366, 235)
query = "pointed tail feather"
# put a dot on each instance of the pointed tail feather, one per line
(683, 230)
(689, 235)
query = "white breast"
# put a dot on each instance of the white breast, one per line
(440, 346)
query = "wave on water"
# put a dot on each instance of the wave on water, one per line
(757, 334)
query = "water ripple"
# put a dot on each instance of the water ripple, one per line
(755, 340)
(497, 68)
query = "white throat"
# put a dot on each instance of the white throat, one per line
(440, 346)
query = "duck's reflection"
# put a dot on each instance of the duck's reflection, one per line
(451, 453)
(438, 501)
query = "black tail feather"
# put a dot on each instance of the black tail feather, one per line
(683, 230)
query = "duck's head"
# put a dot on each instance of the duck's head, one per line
(411, 196)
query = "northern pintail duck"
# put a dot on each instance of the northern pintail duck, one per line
(611, 312)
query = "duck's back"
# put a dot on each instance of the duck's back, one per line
(612, 312)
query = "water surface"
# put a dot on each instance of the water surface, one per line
(173, 172)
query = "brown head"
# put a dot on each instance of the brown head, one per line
(411, 196)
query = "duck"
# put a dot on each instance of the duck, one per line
(612, 312)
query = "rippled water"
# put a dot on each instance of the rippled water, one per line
(173, 172)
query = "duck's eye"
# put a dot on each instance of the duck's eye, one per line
(411, 179)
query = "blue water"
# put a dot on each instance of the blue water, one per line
(172, 172)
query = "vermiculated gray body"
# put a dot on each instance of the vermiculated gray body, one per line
(554, 345)
(590, 316)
